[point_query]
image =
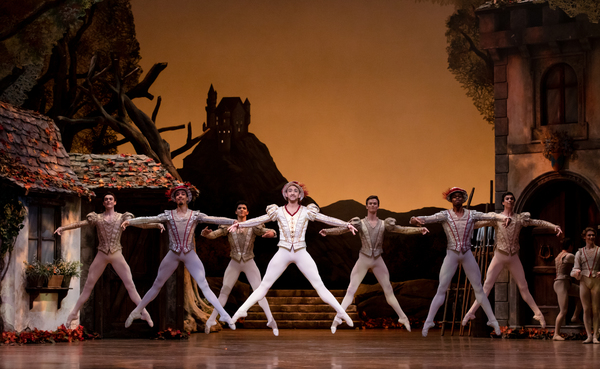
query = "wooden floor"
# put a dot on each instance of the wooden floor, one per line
(247, 349)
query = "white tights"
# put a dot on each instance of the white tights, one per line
(451, 262)
(589, 291)
(97, 267)
(278, 265)
(232, 274)
(377, 265)
(514, 266)
(194, 266)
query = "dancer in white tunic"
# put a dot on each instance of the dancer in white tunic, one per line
(108, 227)
(371, 230)
(458, 224)
(587, 270)
(564, 288)
(292, 220)
(506, 254)
(242, 260)
(181, 224)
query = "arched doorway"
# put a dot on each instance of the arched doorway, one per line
(566, 199)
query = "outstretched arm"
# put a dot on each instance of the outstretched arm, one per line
(136, 222)
(82, 223)
(211, 235)
(390, 226)
(427, 219)
(542, 223)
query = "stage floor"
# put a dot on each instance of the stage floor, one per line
(247, 349)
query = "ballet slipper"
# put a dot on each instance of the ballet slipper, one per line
(576, 320)
(588, 340)
(147, 318)
(496, 327)
(336, 321)
(227, 319)
(426, 328)
(347, 319)
(273, 325)
(557, 337)
(540, 318)
(468, 316)
(209, 323)
(405, 322)
(595, 340)
(133, 316)
(238, 314)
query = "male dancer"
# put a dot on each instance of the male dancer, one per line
(181, 224)
(458, 224)
(108, 227)
(506, 254)
(371, 230)
(242, 260)
(293, 220)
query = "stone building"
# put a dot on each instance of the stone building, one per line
(547, 127)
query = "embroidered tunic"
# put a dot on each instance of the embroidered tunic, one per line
(507, 238)
(292, 227)
(181, 229)
(372, 237)
(459, 231)
(587, 261)
(242, 241)
(109, 231)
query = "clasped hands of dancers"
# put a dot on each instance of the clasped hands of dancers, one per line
(292, 218)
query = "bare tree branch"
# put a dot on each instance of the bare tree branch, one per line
(190, 142)
(171, 128)
(141, 89)
(155, 112)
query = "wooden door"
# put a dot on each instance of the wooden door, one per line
(563, 203)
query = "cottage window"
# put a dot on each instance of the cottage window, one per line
(559, 95)
(43, 243)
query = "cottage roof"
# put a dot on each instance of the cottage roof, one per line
(121, 171)
(32, 155)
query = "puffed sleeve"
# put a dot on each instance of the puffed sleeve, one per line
(390, 226)
(269, 217)
(476, 215)
(219, 232)
(341, 230)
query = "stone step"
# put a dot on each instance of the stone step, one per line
(299, 308)
(302, 293)
(297, 300)
(297, 316)
(292, 324)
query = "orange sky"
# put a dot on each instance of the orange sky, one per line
(352, 97)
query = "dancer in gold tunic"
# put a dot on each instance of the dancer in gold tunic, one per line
(506, 254)
(371, 230)
(242, 260)
(108, 226)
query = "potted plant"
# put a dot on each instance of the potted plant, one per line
(68, 269)
(558, 146)
(56, 278)
(37, 274)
